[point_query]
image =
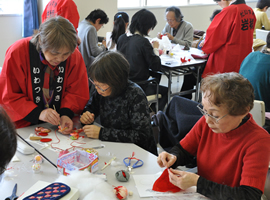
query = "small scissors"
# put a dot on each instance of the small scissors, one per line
(137, 164)
(13, 195)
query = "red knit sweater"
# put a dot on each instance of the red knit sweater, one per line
(239, 157)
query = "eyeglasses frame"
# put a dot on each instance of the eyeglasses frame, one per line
(103, 90)
(216, 120)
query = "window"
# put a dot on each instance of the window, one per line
(165, 3)
(142, 3)
(11, 6)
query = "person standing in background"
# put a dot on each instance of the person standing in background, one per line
(229, 38)
(65, 8)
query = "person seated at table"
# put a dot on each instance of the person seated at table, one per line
(178, 31)
(255, 67)
(44, 78)
(228, 40)
(141, 55)
(120, 103)
(87, 31)
(232, 150)
(120, 24)
(8, 144)
(262, 20)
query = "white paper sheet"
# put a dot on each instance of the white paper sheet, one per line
(144, 184)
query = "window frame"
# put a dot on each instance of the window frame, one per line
(143, 4)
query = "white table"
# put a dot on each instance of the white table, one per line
(23, 175)
(172, 66)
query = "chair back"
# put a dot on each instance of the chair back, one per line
(258, 112)
(261, 34)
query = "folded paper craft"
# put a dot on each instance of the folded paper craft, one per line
(163, 184)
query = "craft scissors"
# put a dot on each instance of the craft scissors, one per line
(127, 162)
(13, 195)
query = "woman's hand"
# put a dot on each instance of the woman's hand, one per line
(166, 160)
(49, 115)
(169, 36)
(66, 124)
(87, 118)
(183, 179)
(155, 44)
(92, 131)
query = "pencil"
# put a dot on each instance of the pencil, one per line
(59, 122)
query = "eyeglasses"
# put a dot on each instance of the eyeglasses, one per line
(216, 119)
(103, 90)
(170, 20)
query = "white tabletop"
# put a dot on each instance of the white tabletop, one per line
(22, 174)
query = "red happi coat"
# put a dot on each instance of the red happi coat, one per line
(229, 38)
(16, 93)
(64, 8)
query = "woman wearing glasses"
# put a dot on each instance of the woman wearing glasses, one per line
(120, 103)
(177, 30)
(232, 150)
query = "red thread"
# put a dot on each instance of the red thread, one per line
(71, 144)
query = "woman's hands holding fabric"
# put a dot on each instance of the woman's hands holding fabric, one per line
(91, 131)
(87, 118)
(183, 179)
(165, 159)
(49, 115)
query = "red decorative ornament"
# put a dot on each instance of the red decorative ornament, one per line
(183, 60)
(42, 129)
(46, 140)
(121, 192)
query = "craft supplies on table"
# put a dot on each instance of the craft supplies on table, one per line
(13, 196)
(77, 160)
(72, 195)
(127, 162)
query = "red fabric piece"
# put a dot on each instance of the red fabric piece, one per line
(229, 39)
(46, 140)
(163, 184)
(65, 8)
(230, 158)
(16, 83)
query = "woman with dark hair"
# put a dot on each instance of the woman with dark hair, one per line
(42, 73)
(262, 19)
(8, 144)
(231, 149)
(87, 31)
(178, 31)
(120, 103)
(120, 24)
(141, 55)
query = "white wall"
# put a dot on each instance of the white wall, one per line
(11, 30)
(197, 15)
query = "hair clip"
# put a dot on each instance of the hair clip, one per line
(120, 15)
